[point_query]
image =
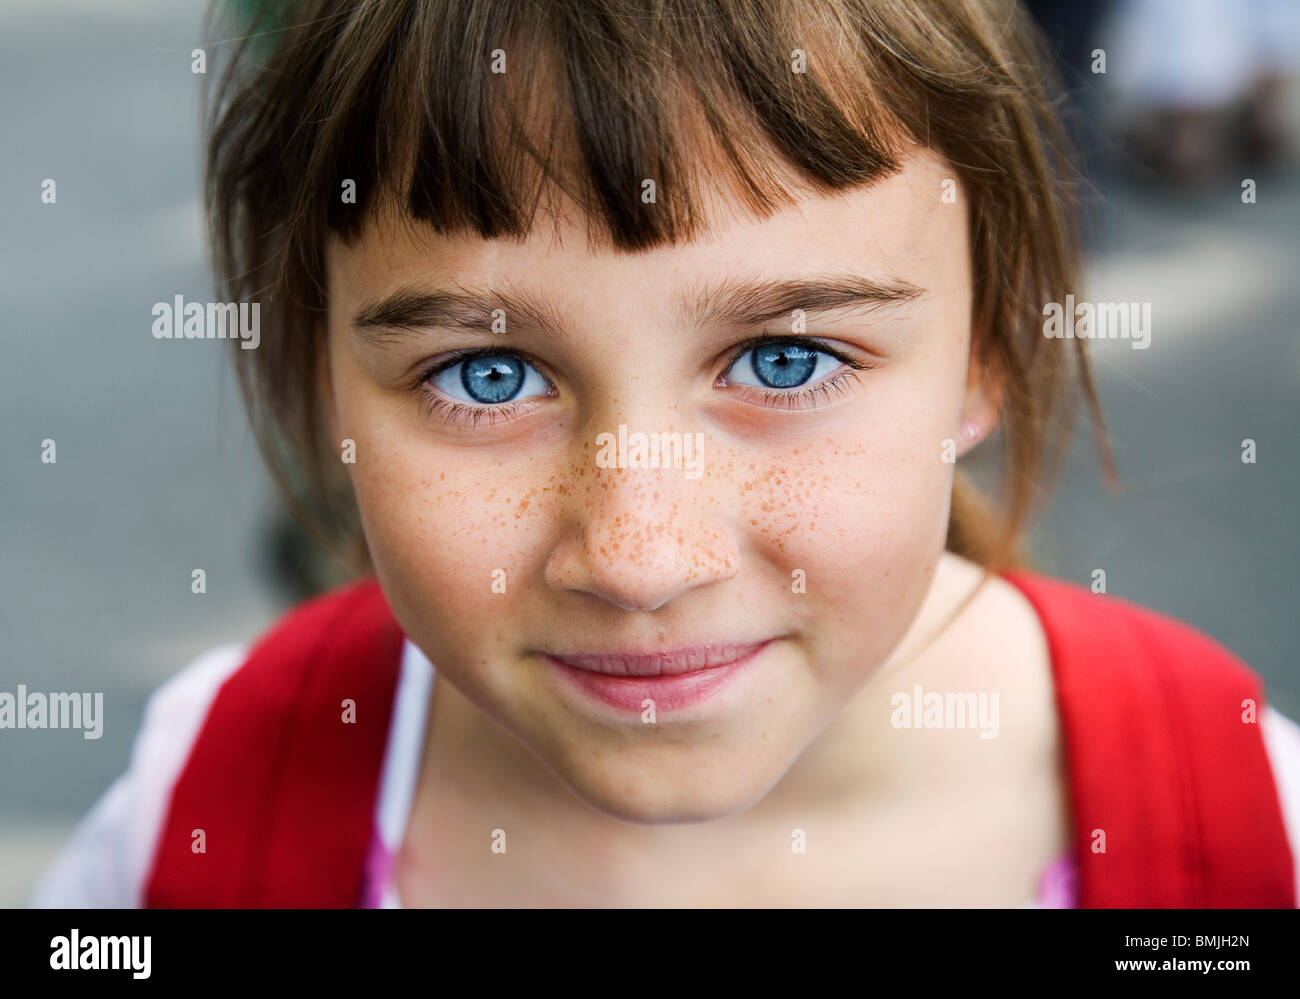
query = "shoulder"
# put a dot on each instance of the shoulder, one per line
(1143, 676)
(107, 859)
(328, 637)
(104, 862)
(314, 624)
(1108, 636)
(293, 740)
(1186, 720)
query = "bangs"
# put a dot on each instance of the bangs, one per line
(483, 117)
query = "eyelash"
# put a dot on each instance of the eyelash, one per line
(462, 414)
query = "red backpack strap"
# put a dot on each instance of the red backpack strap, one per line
(1164, 757)
(281, 785)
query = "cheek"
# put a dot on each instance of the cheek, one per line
(453, 539)
(857, 519)
(861, 523)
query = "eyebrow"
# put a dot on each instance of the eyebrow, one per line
(742, 302)
(753, 302)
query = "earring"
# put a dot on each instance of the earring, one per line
(969, 430)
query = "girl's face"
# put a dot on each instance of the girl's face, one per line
(551, 569)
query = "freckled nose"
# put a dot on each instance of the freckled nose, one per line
(642, 537)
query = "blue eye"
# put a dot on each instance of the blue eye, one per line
(490, 379)
(781, 366)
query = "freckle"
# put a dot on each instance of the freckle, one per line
(442, 476)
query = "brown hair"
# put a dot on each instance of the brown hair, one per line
(401, 97)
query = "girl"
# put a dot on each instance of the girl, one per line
(636, 345)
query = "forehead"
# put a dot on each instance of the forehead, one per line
(900, 227)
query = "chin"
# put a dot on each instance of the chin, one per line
(627, 794)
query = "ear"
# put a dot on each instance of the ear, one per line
(981, 405)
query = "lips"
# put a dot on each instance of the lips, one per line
(668, 681)
(652, 664)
